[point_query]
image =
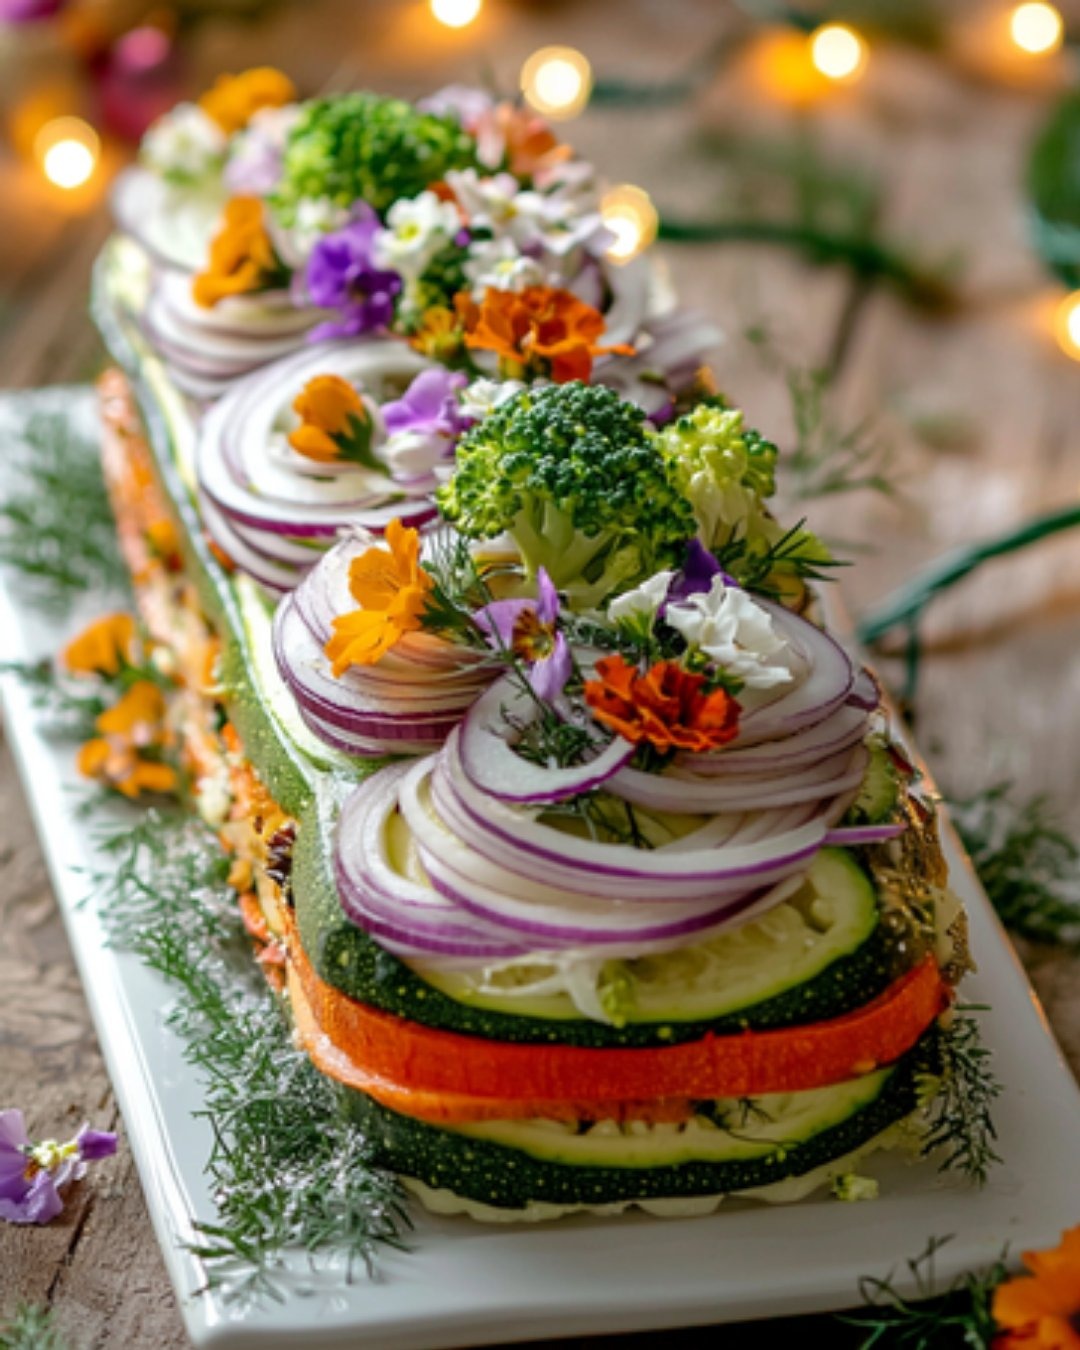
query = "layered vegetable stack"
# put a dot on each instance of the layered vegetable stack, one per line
(582, 851)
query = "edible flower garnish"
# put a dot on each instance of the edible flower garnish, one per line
(242, 258)
(527, 629)
(334, 422)
(33, 1175)
(732, 630)
(233, 100)
(439, 333)
(507, 132)
(667, 707)
(104, 648)
(392, 590)
(423, 423)
(538, 331)
(135, 724)
(343, 275)
(1041, 1311)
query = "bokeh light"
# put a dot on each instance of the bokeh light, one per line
(455, 13)
(1067, 325)
(557, 81)
(67, 148)
(630, 215)
(838, 52)
(1037, 28)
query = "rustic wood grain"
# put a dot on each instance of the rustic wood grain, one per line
(1001, 685)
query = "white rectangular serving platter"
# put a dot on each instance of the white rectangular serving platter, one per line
(462, 1284)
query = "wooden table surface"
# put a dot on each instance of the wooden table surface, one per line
(978, 410)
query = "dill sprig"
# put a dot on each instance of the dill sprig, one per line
(288, 1169)
(56, 526)
(958, 1317)
(960, 1094)
(1027, 865)
(67, 712)
(754, 566)
(30, 1327)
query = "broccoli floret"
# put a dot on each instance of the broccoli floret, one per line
(362, 146)
(723, 469)
(573, 474)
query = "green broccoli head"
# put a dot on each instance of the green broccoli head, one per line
(572, 473)
(724, 470)
(363, 146)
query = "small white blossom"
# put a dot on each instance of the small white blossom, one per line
(734, 631)
(642, 602)
(484, 396)
(498, 265)
(413, 454)
(315, 216)
(185, 146)
(417, 228)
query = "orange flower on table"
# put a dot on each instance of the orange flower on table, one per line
(1041, 1311)
(103, 648)
(242, 258)
(136, 723)
(666, 706)
(392, 589)
(334, 423)
(233, 100)
(540, 330)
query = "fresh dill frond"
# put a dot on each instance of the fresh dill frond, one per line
(958, 1317)
(1027, 865)
(288, 1168)
(30, 1327)
(754, 566)
(961, 1089)
(67, 713)
(56, 526)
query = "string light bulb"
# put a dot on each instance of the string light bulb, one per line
(557, 82)
(1067, 325)
(1037, 28)
(455, 13)
(68, 149)
(630, 215)
(838, 52)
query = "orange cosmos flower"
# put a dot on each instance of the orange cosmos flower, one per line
(392, 589)
(242, 257)
(334, 423)
(103, 648)
(666, 706)
(233, 100)
(1041, 1311)
(540, 330)
(136, 723)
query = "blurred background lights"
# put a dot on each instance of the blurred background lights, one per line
(67, 149)
(1067, 325)
(557, 81)
(1037, 28)
(629, 214)
(838, 52)
(455, 13)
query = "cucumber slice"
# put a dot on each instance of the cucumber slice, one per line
(879, 795)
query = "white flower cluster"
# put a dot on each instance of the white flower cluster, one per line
(185, 146)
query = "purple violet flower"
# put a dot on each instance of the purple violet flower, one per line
(527, 628)
(342, 275)
(429, 405)
(33, 1175)
(28, 11)
(697, 574)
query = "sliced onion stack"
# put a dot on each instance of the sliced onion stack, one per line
(274, 511)
(407, 703)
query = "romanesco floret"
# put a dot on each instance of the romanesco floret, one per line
(724, 470)
(363, 146)
(573, 474)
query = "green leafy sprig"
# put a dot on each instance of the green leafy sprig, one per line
(56, 525)
(30, 1327)
(957, 1317)
(288, 1168)
(753, 566)
(960, 1098)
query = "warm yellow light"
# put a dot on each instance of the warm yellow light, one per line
(1037, 28)
(557, 81)
(838, 52)
(1067, 325)
(67, 149)
(455, 13)
(629, 214)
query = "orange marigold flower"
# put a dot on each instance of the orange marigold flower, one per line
(242, 257)
(233, 100)
(103, 648)
(667, 706)
(392, 589)
(139, 717)
(528, 142)
(334, 423)
(136, 722)
(541, 330)
(439, 333)
(1041, 1311)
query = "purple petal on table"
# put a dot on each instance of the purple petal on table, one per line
(549, 675)
(13, 1141)
(39, 1203)
(499, 619)
(95, 1144)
